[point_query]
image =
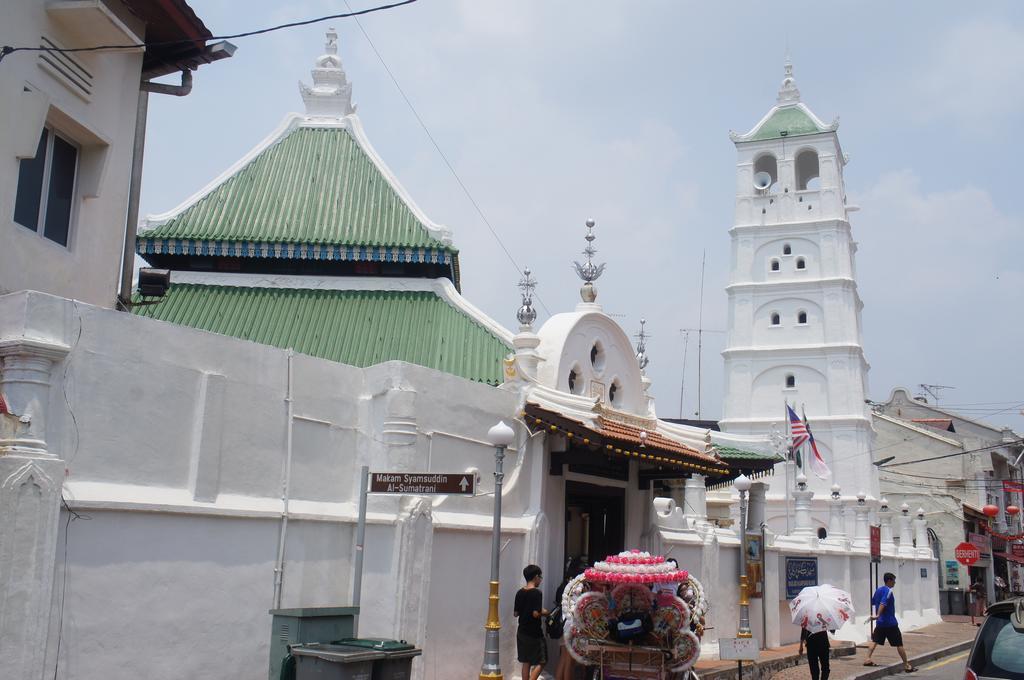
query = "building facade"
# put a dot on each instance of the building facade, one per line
(794, 328)
(965, 464)
(71, 131)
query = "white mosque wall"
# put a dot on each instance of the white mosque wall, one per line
(174, 441)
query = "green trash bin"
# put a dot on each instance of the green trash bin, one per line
(395, 656)
(334, 662)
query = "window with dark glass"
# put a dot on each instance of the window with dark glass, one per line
(801, 264)
(775, 265)
(790, 381)
(801, 317)
(46, 188)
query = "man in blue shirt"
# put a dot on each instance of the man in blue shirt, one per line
(886, 626)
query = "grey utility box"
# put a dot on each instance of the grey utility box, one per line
(308, 624)
(334, 662)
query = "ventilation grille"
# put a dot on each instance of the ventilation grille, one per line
(64, 67)
(285, 631)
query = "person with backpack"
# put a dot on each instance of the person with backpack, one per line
(556, 622)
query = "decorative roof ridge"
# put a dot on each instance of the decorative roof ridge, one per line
(290, 123)
(818, 122)
(916, 428)
(695, 436)
(442, 287)
(951, 414)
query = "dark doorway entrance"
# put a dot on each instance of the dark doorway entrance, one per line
(595, 521)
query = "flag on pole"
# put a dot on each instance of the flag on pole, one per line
(798, 433)
(817, 461)
(3, 405)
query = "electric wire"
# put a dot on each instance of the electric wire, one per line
(444, 157)
(7, 49)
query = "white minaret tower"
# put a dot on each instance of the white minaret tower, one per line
(794, 311)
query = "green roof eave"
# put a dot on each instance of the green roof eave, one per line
(729, 453)
(356, 327)
(789, 121)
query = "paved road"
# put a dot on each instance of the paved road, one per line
(949, 668)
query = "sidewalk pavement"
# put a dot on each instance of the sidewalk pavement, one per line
(953, 635)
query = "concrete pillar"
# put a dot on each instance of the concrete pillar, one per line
(757, 503)
(31, 476)
(803, 525)
(862, 533)
(921, 536)
(696, 499)
(836, 520)
(885, 520)
(676, 490)
(906, 547)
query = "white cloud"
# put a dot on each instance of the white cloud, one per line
(974, 73)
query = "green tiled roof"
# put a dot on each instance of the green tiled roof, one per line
(314, 186)
(792, 120)
(730, 454)
(355, 327)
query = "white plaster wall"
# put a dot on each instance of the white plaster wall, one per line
(104, 126)
(174, 442)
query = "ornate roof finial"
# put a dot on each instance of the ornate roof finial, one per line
(527, 314)
(331, 93)
(788, 94)
(641, 346)
(589, 272)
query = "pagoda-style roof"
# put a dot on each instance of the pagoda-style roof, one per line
(314, 192)
(428, 324)
(789, 118)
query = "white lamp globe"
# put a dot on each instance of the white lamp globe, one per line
(742, 483)
(501, 435)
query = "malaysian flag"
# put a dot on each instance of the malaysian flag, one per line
(797, 429)
(817, 461)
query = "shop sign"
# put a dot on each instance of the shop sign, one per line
(1017, 549)
(800, 573)
(952, 573)
(983, 542)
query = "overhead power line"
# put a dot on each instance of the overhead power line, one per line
(7, 49)
(444, 157)
(951, 455)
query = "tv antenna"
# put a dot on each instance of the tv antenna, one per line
(934, 390)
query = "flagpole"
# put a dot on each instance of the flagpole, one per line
(789, 458)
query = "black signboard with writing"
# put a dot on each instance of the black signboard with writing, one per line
(800, 573)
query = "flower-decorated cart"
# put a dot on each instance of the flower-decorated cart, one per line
(635, 615)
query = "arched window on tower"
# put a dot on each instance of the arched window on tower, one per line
(806, 169)
(790, 380)
(775, 265)
(801, 263)
(801, 317)
(767, 163)
(787, 249)
(776, 319)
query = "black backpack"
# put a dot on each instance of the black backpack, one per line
(555, 623)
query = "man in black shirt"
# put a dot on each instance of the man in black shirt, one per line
(818, 650)
(529, 607)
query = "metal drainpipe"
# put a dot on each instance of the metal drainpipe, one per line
(285, 486)
(124, 293)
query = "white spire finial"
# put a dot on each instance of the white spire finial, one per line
(331, 93)
(788, 94)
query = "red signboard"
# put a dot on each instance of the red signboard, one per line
(1017, 549)
(967, 554)
(876, 542)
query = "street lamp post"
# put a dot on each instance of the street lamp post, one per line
(500, 436)
(742, 484)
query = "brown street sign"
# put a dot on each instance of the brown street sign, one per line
(422, 482)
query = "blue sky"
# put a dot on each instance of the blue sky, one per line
(552, 112)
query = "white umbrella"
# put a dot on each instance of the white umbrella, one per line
(823, 607)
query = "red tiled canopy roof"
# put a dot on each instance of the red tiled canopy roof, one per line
(625, 440)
